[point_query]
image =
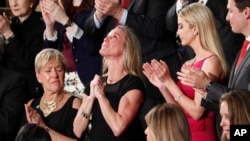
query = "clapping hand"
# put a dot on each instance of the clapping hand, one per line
(97, 87)
(53, 11)
(108, 8)
(193, 77)
(32, 116)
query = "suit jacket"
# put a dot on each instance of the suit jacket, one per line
(20, 53)
(146, 18)
(12, 99)
(238, 79)
(85, 50)
(230, 41)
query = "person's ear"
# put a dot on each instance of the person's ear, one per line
(247, 12)
(195, 30)
(38, 78)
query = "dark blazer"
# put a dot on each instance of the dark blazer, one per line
(146, 17)
(85, 50)
(230, 41)
(12, 99)
(21, 51)
(238, 79)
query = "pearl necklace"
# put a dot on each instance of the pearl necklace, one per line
(49, 107)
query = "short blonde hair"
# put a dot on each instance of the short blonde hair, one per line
(46, 55)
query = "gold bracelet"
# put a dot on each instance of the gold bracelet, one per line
(87, 116)
(177, 98)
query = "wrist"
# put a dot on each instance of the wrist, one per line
(68, 23)
(207, 87)
(8, 39)
(7, 35)
(118, 14)
(47, 128)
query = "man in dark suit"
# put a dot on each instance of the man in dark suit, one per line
(231, 42)
(147, 19)
(12, 99)
(238, 17)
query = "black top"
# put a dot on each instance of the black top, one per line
(100, 129)
(20, 52)
(61, 120)
(12, 99)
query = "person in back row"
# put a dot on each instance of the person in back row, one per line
(65, 30)
(12, 97)
(23, 39)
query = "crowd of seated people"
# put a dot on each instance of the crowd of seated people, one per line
(34, 76)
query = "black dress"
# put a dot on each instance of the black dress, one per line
(100, 129)
(61, 120)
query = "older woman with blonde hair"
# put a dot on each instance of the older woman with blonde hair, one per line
(55, 111)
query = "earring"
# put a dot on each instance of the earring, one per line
(31, 5)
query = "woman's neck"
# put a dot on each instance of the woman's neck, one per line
(22, 18)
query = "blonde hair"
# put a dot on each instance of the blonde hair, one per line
(167, 122)
(197, 14)
(45, 55)
(132, 59)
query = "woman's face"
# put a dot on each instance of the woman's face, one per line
(21, 8)
(148, 134)
(51, 76)
(185, 32)
(225, 121)
(114, 43)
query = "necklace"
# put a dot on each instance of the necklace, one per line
(49, 107)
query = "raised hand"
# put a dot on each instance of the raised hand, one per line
(149, 72)
(53, 11)
(161, 70)
(109, 8)
(193, 77)
(97, 87)
(5, 25)
(32, 116)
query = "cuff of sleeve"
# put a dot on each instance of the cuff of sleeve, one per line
(98, 23)
(124, 17)
(54, 38)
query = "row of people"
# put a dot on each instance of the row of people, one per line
(142, 51)
(167, 122)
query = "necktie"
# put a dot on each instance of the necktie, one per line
(124, 4)
(242, 52)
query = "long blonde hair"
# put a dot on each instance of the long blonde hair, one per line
(201, 16)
